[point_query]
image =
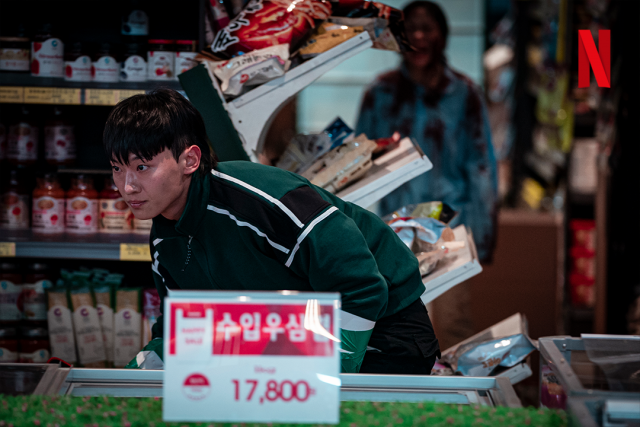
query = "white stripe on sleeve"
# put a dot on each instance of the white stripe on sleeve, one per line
(307, 231)
(351, 322)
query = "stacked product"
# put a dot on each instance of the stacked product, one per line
(23, 313)
(582, 255)
(93, 320)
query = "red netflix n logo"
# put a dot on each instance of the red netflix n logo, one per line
(589, 55)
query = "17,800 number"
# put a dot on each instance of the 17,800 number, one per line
(285, 390)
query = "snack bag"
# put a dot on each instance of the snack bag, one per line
(265, 23)
(327, 36)
(151, 311)
(127, 326)
(61, 336)
(339, 132)
(251, 69)
(86, 323)
(104, 305)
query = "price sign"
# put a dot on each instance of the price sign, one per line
(64, 96)
(11, 95)
(134, 252)
(7, 249)
(100, 97)
(124, 94)
(252, 357)
(38, 95)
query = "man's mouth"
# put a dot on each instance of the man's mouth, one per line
(136, 204)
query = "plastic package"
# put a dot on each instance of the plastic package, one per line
(61, 336)
(327, 36)
(86, 324)
(127, 326)
(252, 69)
(342, 165)
(265, 23)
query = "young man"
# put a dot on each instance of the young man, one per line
(244, 226)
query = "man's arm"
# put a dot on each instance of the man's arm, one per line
(333, 254)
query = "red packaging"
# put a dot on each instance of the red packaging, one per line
(582, 292)
(265, 23)
(150, 312)
(583, 233)
(583, 262)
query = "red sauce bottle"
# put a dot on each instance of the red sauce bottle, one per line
(48, 206)
(81, 215)
(14, 204)
(115, 215)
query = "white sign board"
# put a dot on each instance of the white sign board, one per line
(251, 357)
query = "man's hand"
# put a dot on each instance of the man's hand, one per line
(150, 357)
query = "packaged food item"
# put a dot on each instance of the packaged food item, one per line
(264, 23)
(8, 345)
(14, 54)
(14, 204)
(327, 36)
(115, 215)
(339, 132)
(436, 210)
(34, 304)
(247, 70)
(22, 141)
(343, 165)
(134, 66)
(582, 290)
(11, 281)
(142, 226)
(48, 206)
(428, 261)
(161, 60)
(104, 305)
(86, 324)
(303, 151)
(135, 22)
(3, 142)
(59, 139)
(61, 334)
(384, 145)
(151, 311)
(33, 345)
(77, 64)
(185, 56)
(47, 54)
(127, 326)
(216, 18)
(583, 233)
(81, 215)
(583, 262)
(105, 66)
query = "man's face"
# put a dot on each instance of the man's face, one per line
(423, 34)
(155, 187)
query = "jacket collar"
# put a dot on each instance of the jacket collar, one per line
(193, 214)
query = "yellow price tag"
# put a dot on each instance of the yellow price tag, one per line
(7, 249)
(99, 97)
(134, 252)
(66, 96)
(11, 95)
(38, 95)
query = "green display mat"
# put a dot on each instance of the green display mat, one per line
(101, 411)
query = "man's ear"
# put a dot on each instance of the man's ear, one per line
(192, 159)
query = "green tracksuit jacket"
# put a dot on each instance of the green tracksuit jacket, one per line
(248, 226)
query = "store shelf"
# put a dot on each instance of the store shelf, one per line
(454, 269)
(18, 88)
(388, 173)
(252, 112)
(22, 244)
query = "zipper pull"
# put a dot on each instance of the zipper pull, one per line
(186, 261)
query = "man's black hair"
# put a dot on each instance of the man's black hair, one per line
(146, 125)
(434, 10)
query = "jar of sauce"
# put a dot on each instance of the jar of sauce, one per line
(115, 215)
(47, 53)
(38, 279)
(134, 66)
(14, 54)
(185, 56)
(105, 66)
(22, 141)
(8, 345)
(48, 206)
(59, 140)
(33, 346)
(14, 204)
(142, 226)
(81, 215)
(161, 59)
(77, 64)
(10, 289)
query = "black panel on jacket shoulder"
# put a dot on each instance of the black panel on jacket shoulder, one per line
(255, 210)
(305, 203)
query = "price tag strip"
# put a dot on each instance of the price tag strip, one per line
(108, 96)
(251, 357)
(11, 95)
(134, 252)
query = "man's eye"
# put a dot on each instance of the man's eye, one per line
(142, 167)
(115, 168)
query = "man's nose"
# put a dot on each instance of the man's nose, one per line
(130, 183)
